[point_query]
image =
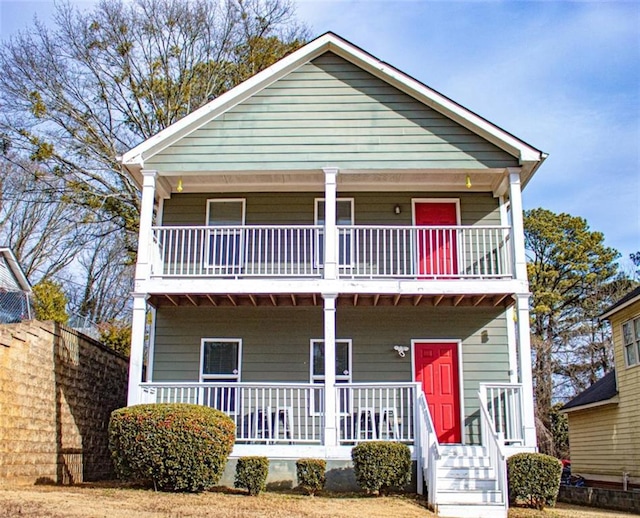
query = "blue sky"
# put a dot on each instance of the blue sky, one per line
(563, 76)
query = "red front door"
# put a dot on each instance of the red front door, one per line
(436, 366)
(437, 249)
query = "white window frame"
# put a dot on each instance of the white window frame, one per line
(236, 377)
(348, 261)
(635, 341)
(208, 259)
(340, 378)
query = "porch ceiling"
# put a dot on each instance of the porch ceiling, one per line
(442, 180)
(315, 299)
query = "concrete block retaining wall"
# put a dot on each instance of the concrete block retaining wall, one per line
(58, 388)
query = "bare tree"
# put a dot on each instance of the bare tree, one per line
(98, 82)
(42, 228)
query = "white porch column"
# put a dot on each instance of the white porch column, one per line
(525, 375)
(330, 230)
(143, 263)
(143, 273)
(330, 429)
(517, 225)
(136, 356)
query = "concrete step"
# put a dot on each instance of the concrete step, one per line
(461, 450)
(481, 472)
(468, 496)
(472, 511)
(460, 461)
(465, 484)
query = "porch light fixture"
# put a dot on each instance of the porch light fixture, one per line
(468, 182)
(401, 350)
(179, 186)
(397, 209)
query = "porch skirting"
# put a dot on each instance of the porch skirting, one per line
(282, 472)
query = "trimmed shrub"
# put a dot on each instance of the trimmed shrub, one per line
(534, 479)
(176, 447)
(311, 474)
(380, 465)
(251, 474)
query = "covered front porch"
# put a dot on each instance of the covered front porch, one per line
(293, 414)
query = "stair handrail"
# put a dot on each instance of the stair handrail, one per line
(495, 449)
(429, 448)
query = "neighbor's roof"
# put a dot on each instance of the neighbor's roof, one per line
(526, 154)
(16, 269)
(627, 300)
(600, 393)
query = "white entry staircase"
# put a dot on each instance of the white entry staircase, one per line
(468, 484)
(463, 481)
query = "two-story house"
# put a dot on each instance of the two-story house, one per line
(604, 420)
(332, 252)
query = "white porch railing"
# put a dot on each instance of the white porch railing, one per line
(446, 252)
(235, 251)
(493, 442)
(504, 405)
(262, 412)
(429, 450)
(424, 252)
(376, 411)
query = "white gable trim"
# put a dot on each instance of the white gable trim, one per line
(526, 154)
(16, 269)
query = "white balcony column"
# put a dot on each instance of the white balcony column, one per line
(136, 357)
(525, 374)
(330, 229)
(143, 264)
(517, 224)
(330, 418)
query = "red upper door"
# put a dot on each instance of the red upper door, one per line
(437, 253)
(436, 368)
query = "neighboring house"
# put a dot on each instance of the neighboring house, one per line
(333, 252)
(604, 420)
(15, 290)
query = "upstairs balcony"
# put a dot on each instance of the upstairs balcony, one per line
(365, 252)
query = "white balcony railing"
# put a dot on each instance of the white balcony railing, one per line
(424, 252)
(371, 252)
(262, 412)
(376, 411)
(504, 406)
(236, 251)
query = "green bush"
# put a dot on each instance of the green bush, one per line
(251, 474)
(381, 465)
(534, 479)
(176, 447)
(311, 474)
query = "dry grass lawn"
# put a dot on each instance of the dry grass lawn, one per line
(99, 501)
(114, 501)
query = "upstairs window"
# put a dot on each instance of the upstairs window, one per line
(226, 245)
(631, 341)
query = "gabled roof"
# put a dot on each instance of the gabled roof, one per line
(600, 393)
(15, 268)
(529, 157)
(627, 300)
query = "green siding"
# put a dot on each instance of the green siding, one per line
(275, 343)
(329, 111)
(297, 208)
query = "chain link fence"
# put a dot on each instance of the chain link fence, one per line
(84, 325)
(15, 306)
